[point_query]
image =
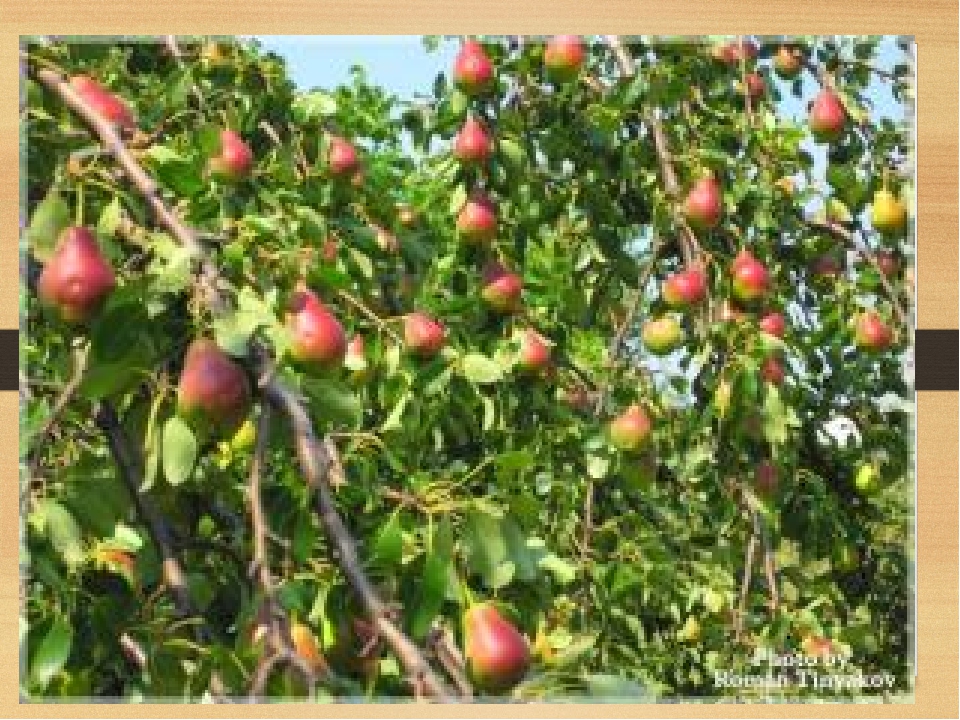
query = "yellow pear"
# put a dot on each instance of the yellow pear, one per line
(888, 214)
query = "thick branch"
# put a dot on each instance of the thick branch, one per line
(315, 461)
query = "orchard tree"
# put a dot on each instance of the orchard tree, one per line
(527, 386)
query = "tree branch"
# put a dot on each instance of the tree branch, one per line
(315, 461)
(128, 466)
(689, 246)
(314, 457)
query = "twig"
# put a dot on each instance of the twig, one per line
(144, 184)
(128, 466)
(689, 245)
(587, 522)
(63, 399)
(838, 231)
(377, 320)
(745, 585)
(279, 639)
(450, 658)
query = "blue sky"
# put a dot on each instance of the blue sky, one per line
(401, 64)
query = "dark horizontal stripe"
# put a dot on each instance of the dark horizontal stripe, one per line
(9, 359)
(936, 360)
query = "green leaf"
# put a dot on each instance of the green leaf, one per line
(458, 198)
(52, 653)
(333, 401)
(480, 369)
(61, 529)
(179, 450)
(393, 419)
(49, 219)
(563, 571)
(110, 218)
(313, 106)
(388, 545)
(598, 466)
(432, 592)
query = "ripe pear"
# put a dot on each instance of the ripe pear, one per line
(787, 62)
(477, 221)
(497, 655)
(703, 205)
(214, 392)
(871, 332)
(631, 429)
(563, 57)
(342, 158)
(235, 159)
(685, 287)
(888, 214)
(316, 336)
(76, 279)
(423, 335)
(472, 144)
(472, 69)
(103, 102)
(534, 356)
(827, 116)
(501, 288)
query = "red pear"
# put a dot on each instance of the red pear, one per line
(766, 479)
(750, 278)
(477, 221)
(772, 371)
(77, 278)
(563, 57)
(356, 359)
(343, 159)
(316, 336)
(534, 354)
(888, 262)
(733, 51)
(235, 159)
(827, 116)
(472, 144)
(214, 393)
(826, 267)
(423, 335)
(756, 85)
(704, 204)
(773, 324)
(497, 655)
(472, 69)
(501, 288)
(871, 332)
(685, 287)
(103, 102)
(631, 429)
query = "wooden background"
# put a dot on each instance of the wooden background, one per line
(934, 23)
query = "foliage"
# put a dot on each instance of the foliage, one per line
(465, 476)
